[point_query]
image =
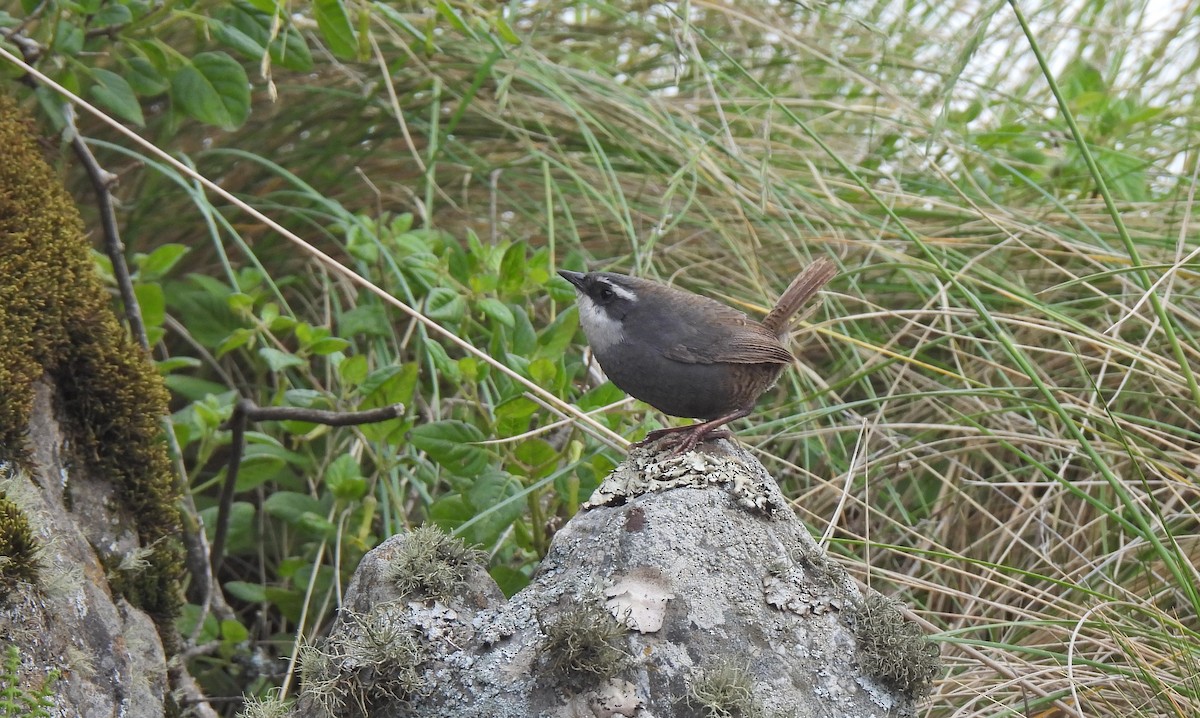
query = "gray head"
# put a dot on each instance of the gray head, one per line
(605, 299)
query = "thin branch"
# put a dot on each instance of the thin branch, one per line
(246, 411)
(102, 182)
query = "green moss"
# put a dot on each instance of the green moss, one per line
(18, 548)
(55, 319)
(432, 564)
(893, 649)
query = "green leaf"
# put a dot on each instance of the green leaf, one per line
(497, 310)
(213, 89)
(268, 6)
(453, 446)
(353, 370)
(246, 591)
(345, 480)
(291, 506)
(144, 78)
(68, 38)
(506, 33)
(115, 93)
(158, 263)
(543, 371)
(241, 537)
(494, 497)
(256, 471)
(445, 305)
(509, 579)
(166, 366)
(601, 396)
(235, 39)
(366, 319)
(335, 28)
(512, 416)
(327, 345)
(556, 339)
(450, 512)
(390, 385)
(512, 270)
(316, 526)
(151, 301)
(443, 365)
(537, 458)
(286, 46)
(237, 338)
(233, 632)
(112, 14)
(279, 360)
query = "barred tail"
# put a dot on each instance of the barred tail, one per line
(803, 288)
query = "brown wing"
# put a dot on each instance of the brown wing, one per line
(728, 337)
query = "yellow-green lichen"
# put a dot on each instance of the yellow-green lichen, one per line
(55, 320)
(726, 690)
(368, 661)
(432, 564)
(893, 649)
(583, 647)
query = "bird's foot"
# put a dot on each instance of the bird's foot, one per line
(682, 439)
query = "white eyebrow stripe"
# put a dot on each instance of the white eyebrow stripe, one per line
(620, 291)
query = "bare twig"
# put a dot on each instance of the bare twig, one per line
(102, 182)
(246, 411)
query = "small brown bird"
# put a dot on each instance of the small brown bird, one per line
(684, 354)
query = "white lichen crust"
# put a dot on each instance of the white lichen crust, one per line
(711, 464)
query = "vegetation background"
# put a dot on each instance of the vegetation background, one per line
(996, 419)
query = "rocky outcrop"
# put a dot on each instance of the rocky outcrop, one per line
(685, 587)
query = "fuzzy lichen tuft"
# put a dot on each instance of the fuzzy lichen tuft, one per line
(56, 321)
(583, 647)
(267, 707)
(725, 691)
(369, 660)
(432, 564)
(893, 649)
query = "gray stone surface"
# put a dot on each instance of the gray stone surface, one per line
(108, 654)
(685, 583)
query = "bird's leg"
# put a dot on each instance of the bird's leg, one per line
(685, 438)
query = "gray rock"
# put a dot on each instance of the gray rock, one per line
(107, 654)
(685, 587)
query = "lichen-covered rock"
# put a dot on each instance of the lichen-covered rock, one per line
(106, 653)
(684, 588)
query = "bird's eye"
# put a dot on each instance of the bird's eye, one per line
(606, 293)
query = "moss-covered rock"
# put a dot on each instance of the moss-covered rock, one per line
(19, 549)
(56, 321)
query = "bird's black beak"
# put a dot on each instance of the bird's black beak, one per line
(575, 278)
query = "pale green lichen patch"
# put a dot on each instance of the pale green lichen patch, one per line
(432, 564)
(370, 660)
(893, 649)
(725, 691)
(583, 647)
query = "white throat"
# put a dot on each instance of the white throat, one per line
(601, 329)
